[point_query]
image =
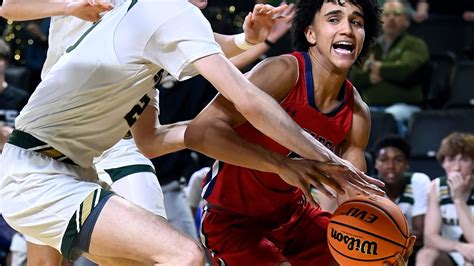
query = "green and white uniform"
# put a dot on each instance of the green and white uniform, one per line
(85, 104)
(414, 198)
(450, 228)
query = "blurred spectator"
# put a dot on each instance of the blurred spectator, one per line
(416, 9)
(391, 78)
(468, 16)
(408, 190)
(449, 236)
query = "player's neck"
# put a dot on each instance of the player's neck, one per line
(394, 191)
(327, 83)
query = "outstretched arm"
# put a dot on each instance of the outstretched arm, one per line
(352, 149)
(266, 115)
(154, 139)
(35, 9)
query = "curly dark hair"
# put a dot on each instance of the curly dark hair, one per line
(306, 11)
(394, 141)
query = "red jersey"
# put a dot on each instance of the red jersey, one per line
(250, 192)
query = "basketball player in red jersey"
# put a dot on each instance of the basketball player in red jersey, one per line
(254, 217)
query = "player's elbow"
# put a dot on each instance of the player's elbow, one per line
(9, 11)
(429, 240)
(194, 137)
(146, 150)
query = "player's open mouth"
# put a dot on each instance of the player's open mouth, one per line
(344, 47)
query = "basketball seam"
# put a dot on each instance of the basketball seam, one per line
(369, 233)
(388, 214)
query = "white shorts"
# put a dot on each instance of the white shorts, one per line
(131, 176)
(44, 199)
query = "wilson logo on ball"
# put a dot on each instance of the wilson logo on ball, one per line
(364, 247)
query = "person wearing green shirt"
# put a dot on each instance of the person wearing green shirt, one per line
(391, 77)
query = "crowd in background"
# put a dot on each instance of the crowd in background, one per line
(415, 70)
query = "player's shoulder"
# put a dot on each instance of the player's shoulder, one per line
(281, 67)
(418, 178)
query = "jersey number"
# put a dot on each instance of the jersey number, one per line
(137, 110)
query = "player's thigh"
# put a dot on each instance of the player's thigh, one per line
(143, 189)
(306, 237)
(46, 199)
(124, 230)
(42, 255)
(231, 243)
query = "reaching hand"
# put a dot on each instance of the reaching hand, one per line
(355, 182)
(89, 10)
(282, 23)
(466, 250)
(258, 23)
(458, 185)
(303, 173)
(402, 258)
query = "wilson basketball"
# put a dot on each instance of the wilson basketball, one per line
(367, 230)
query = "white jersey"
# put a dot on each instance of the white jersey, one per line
(450, 228)
(63, 32)
(414, 198)
(88, 100)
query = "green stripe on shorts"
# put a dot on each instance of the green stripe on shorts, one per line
(75, 223)
(121, 172)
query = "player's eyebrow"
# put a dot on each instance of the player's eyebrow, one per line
(338, 12)
(333, 12)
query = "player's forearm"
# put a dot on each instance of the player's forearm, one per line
(227, 44)
(465, 220)
(32, 9)
(248, 57)
(265, 114)
(261, 110)
(166, 139)
(219, 140)
(440, 243)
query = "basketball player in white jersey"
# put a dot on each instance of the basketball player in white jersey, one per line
(449, 237)
(122, 167)
(87, 102)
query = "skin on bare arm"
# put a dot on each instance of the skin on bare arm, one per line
(432, 236)
(254, 105)
(154, 139)
(31, 9)
(460, 187)
(352, 149)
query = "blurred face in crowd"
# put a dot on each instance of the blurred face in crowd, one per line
(337, 33)
(390, 164)
(201, 4)
(395, 20)
(460, 163)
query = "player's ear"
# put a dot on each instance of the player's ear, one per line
(310, 35)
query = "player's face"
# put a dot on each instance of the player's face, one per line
(201, 4)
(460, 163)
(391, 163)
(338, 32)
(394, 18)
